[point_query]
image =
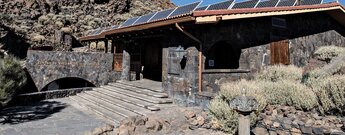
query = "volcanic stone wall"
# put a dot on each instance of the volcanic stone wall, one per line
(48, 66)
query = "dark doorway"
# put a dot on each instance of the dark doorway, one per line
(67, 83)
(151, 61)
(222, 56)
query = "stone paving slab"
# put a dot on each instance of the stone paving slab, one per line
(48, 117)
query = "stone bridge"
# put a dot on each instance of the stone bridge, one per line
(45, 67)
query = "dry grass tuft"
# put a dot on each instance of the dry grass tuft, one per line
(280, 72)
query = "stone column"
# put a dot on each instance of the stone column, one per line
(106, 46)
(126, 65)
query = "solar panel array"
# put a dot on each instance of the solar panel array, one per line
(286, 3)
(194, 7)
(310, 2)
(98, 31)
(129, 22)
(184, 9)
(201, 8)
(267, 3)
(162, 14)
(246, 4)
(220, 6)
(144, 18)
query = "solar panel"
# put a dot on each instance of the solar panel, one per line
(114, 27)
(162, 14)
(144, 18)
(245, 4)
(267, 3)
(201, 8)
(129, 22)
(310, 2)
(184, 9)
(98, 31)
(286, 3)
(220, 6)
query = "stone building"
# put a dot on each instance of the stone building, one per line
(195, 52)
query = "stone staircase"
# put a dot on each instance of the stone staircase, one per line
(120, 100)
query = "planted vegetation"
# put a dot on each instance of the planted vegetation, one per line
(322, 89)
(12, 78)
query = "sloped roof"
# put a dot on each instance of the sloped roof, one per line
(336, 10)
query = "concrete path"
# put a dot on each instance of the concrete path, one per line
(49, 117)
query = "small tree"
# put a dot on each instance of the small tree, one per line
(12, 78)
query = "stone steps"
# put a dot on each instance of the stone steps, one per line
(140, 90)
(140, 85)
(109, 116)
(134, 101)
(138, 95)
(118, 101)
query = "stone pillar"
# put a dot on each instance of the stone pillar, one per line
(106, 46)
(244, 124)
(165, 55)
(126, 65)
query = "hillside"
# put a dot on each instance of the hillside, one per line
(32, 23)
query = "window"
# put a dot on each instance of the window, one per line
(222, 56)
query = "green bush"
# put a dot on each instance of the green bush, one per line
(12, 78)
(331, 93)
(327, 53)
(280, 72)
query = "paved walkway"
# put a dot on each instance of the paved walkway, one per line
(49, 117)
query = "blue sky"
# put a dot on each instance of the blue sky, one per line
(207, 2)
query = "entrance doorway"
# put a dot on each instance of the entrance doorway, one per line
(151, 61)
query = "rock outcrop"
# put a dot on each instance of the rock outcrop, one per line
(37, 20)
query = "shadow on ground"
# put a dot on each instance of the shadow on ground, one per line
(30, 112)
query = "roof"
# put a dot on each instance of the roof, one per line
(336, 10)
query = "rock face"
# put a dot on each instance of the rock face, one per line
(37, 20)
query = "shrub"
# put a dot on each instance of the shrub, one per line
(280, 72)
(336, 67)
(12, 78)
(286, 92)
(327, 53)
(223, 114)
(289, 93)
(331, 93)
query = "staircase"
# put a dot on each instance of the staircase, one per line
(120, 100)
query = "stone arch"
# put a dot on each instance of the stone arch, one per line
(222, 55)
(67, 82)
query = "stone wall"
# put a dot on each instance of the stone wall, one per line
(48, 66)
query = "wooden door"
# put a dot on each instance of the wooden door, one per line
(280, 52)
(118, 62)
